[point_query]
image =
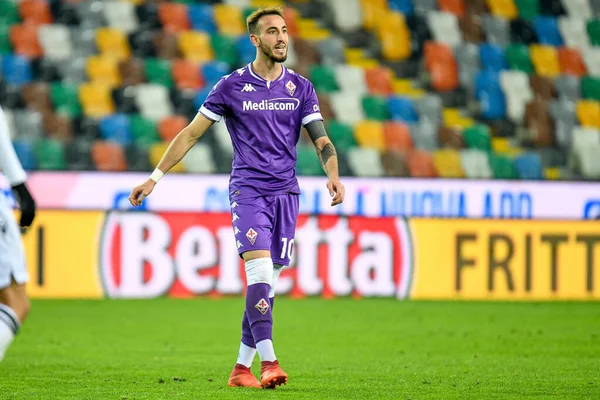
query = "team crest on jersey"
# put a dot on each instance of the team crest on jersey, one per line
(291, 88)
(251, 235)
(262, 306)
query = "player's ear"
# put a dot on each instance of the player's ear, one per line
(255, 40)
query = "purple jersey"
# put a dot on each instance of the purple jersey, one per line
(264, 120)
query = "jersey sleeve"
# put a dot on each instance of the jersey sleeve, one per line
(9, 163)
(311, 111)
(215, 106)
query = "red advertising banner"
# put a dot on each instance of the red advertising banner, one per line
(145, 255)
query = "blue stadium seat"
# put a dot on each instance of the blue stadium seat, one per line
(547, 31)
(246, 50)
(16, 69)
(492, 57)
(116, 128)
(214, 71)
(490, 96)
(201, 96)
(404, 6)
(202, 18)
(26, 152)
(529, 166)
(402, 109)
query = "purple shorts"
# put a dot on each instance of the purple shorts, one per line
(266, 223)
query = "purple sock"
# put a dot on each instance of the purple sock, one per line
(258, 310)
(247, 337)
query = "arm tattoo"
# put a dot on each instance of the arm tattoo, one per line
(327, 152)
(315, 130)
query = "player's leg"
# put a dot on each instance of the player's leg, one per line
(252, 222)
(14, 303)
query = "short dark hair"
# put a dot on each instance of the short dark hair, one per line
(252, 20)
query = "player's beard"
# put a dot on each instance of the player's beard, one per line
(267, 51)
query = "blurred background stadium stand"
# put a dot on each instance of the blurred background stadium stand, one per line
(506, 89)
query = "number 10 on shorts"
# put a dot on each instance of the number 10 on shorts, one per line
(287, 248)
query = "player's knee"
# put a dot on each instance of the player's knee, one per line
(259, 270)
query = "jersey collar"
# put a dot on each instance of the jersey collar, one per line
(255, 75)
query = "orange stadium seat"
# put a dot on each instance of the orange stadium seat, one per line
(420, 164)
(397, 136)
(35, 11)
(174, 17)
(186, 74)
(24, 39)
(169, 127)
(379, 81)
(108, 156)
(571, 62)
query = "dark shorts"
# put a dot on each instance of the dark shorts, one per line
(266, 223)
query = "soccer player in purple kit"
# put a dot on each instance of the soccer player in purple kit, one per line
(264, 105)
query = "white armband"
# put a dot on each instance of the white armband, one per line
(156, 175)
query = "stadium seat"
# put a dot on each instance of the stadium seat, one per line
(571, 62)
(395, 37)
(568, 87)
(37, 97)
(104, 70)
(475, 164)
(490, 96)
(591, 57)
(590, 88)
(515, 85)
(96, 100)
(36, 12)
(448, 163)
(375, 108)
(502, 167)
(539, 124)
(542, 87)
(323, 78)
(517, 56)
(55, 41)
(9, 13)
(402, 109)
(225, 48)
(545, 60)
(121, 16)
(196, 46)
(24, 39)
(308, 162)
(420, 164)
(369, 134)
(573, 32)
(593, 30)
(365, 162)
(153, 101)
(456, 7)
(396, 136)
(199, 160)
(143, 131)
(158, 71)
(108, 156)
(174, 17)
(342, 135)
(187, 75)
(478, 137)
(547, 31)
(65, 99)
(201, 17)
(529, 166)
(444, 28)
(394, 163)
(25, 151)
(425, 135)
(588, 113)
(503, 8)
(578, 9)
(90, 14)
(16, 69)
(347, 107)
(522, 31)
(351, 78)
(442, 67)
(213, 71)
(379, 81)
(116, 128)
(228, 20)
(170, 126)
(492, 57)
(112, 42)
(347, 14)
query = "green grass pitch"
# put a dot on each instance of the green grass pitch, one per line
(331, 349)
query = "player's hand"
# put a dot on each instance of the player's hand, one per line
(26, 203)
(139, 193)
(336, 191)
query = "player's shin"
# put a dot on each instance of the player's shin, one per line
(9, 326)
(259, 274)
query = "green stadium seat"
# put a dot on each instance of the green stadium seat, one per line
(65, 99)
(478, 137)
(9, 14)
(5, 46)
(323, 79)
(145, 131)
(590, 88)
(502, 167)
(158, 71)
(341, 135)
(528, 9)
(375, 108)
(308, 161)
(517, 56)
(593, 30)
(225, 48)
(50, 154)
